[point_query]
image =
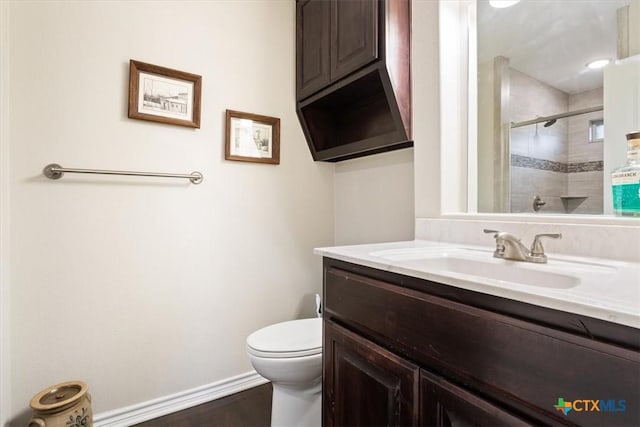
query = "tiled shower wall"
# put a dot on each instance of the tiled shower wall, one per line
(530, 174)
(558, 161)
(585, 178)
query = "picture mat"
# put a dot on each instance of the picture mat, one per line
(250, 138)
(167, 87)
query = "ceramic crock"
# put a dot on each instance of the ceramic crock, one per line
(66, 404)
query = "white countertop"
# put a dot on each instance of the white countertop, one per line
(604, 289)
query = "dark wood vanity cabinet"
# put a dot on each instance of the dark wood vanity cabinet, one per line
(353, 76)
(443, 404)
(401, 351)
(369, 386)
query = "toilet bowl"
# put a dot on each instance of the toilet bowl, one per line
(289, 354)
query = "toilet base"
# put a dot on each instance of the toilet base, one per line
(293, 407)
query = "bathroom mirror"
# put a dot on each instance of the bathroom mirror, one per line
(548, 131)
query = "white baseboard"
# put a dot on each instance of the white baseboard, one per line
(145, 411)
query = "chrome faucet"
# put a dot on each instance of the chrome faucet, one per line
(509, 246)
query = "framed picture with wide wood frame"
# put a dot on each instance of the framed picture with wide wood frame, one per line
(252, 138)
(164, 95)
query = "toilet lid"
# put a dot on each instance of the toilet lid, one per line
(294, 338)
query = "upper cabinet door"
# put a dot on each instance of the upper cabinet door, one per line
(354, 35)
(312, 46)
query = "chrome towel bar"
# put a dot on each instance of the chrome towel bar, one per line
(55, 171)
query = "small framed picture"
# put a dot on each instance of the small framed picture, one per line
(252, 138)
(160, 94)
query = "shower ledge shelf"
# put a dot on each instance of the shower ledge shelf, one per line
(574, 197)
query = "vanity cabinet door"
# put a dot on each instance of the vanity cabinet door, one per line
(364, 384)
(312, 46)
(443, 404)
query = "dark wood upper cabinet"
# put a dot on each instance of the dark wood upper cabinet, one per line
(353, 79)
(313, 41)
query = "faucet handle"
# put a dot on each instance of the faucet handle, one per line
(499, 251)
(536, 246)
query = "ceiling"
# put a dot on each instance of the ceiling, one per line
(551, 40)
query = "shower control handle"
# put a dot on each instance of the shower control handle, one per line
(538, 203)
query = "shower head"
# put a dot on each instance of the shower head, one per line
(550, 123)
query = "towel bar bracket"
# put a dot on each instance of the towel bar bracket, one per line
(51, 171)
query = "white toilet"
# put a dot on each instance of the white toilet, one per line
(289, 354)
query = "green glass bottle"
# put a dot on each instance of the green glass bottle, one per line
(625, 180)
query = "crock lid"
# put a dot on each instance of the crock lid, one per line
(59, 395)
(633, 135)
(294, 338)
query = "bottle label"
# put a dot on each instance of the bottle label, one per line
(626, 177)
(625, 187)
(633, 149)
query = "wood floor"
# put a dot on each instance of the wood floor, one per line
(249, 408)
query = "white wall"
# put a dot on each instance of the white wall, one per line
(5, 331)
(425, 64)
(374, 198)
(486, 149)
(145, 287)
(634, 28)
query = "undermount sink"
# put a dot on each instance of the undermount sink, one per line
(480, 264)
(502, 270)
